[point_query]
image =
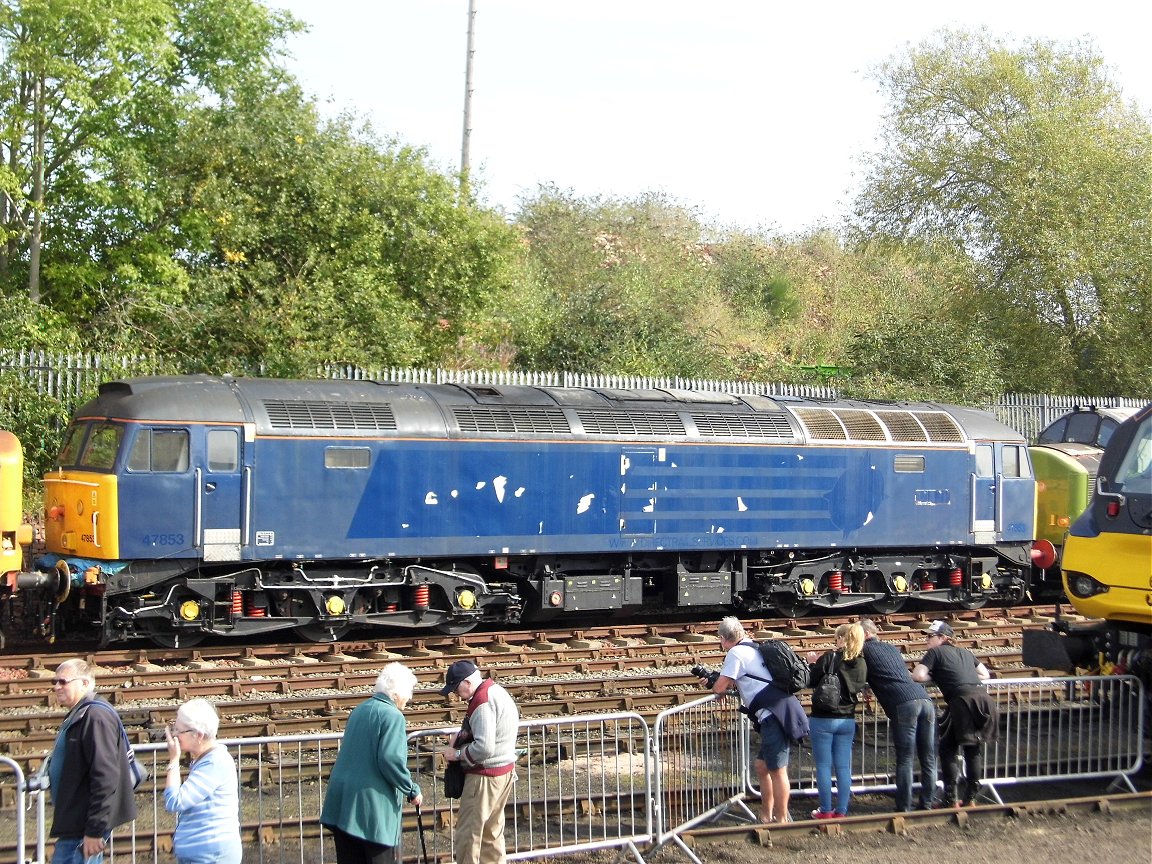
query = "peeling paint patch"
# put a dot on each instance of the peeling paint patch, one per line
(540, 530)
(498, 484)
(585, 503)
(404, 525)
(625, 464)
(740, 505)
(519, 492)
(454, 493)
(431, 498)
(869, 519)
(480, 484)
(661, 454)
(650, 506)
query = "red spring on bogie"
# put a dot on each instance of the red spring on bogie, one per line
(255, 610)
(955, 577)
(237, 604)
(421, 596)
(835, 581)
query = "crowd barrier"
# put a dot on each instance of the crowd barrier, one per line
(609, 781)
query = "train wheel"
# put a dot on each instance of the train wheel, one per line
(974, 601)
(175, 639)
(456, 628)
(889, 605)
(792, 607)
(316, 632)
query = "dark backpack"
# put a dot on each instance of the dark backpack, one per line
(828, 694)
(789, 672)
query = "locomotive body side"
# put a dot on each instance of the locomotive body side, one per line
(196, 505)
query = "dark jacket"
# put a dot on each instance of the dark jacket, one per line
(91, 780)
(785, 707)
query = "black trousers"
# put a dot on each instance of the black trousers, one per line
(356, 850)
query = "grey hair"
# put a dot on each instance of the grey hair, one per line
(199, 716)
(80, 669)
(731, 630)
(396, 681)
(870, 628)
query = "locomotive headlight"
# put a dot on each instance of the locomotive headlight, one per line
(807, 587)
(466, 599)
(189, 610)
(335, 605)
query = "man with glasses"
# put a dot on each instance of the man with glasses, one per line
(971, 717)
(90, 779)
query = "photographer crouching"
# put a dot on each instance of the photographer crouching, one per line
(778, 715)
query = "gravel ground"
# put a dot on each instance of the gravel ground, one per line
(1076, 838)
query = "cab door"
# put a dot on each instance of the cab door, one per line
(222, 502)
(1015, 494)
(983, 491)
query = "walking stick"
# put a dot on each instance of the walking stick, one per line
(420, 828)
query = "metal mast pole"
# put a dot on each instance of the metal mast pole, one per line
(464, 163)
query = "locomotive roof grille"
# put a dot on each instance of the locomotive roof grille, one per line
(854, 424)
(631, 423)
(940, 426)
(316, 414)
(744, 425)
(515, 419)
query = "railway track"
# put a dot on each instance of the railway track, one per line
(303, 688)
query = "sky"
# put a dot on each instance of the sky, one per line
(756, 114)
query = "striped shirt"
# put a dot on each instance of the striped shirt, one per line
(207, 808)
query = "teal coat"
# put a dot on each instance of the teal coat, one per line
(370, 781)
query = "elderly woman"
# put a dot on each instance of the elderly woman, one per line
(207, 804)
(370, 780)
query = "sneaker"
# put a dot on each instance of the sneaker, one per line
(820, 814)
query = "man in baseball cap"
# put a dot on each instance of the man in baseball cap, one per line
(458, 672)
(486, 749)
(940, 628)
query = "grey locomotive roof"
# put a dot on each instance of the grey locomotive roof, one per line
(344, 408)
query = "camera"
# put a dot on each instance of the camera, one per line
(705, 672)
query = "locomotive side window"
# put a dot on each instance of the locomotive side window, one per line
(160, 450)
(1082, 428)
(1107, 427)
(101, 447)
(347, 457)
(1135, 471)
(908, 464)
(1014, 463)
(984, 461)
(223, 451)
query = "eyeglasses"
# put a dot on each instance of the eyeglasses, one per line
(60, 682)
(176, 731)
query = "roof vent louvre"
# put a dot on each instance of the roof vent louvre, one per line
(743, 425)
(539, 420)
(631, 423)
(316, 414)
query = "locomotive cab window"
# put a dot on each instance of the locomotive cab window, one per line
(347, 457)
(159, 450)
(101, 446)
(73, 439)
(223, 451)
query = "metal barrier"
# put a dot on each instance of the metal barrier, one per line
(608, 781)
(701, 754)
(582, 783)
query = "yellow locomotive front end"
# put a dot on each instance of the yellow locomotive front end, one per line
(15, 534)
(81, 514)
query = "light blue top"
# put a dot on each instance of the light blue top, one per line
(207, 807)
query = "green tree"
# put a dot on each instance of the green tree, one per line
(1029, 160)
(91, 90)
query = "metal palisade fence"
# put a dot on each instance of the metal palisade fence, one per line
(71, 379)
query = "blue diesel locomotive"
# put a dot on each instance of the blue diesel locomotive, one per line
(195, 505)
